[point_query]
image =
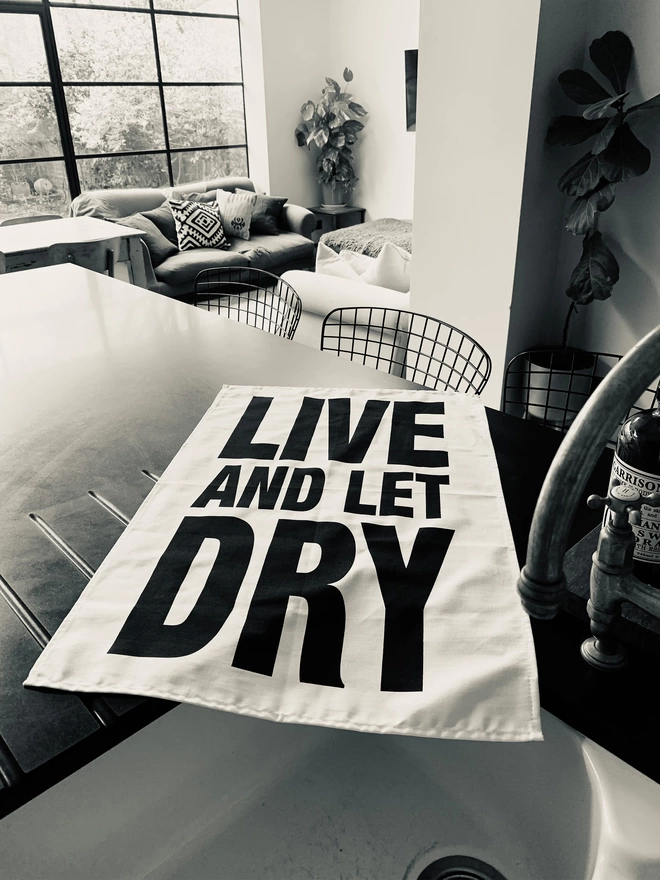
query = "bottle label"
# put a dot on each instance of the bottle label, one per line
(647, 533)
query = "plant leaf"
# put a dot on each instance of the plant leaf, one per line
(338, 139)
(568, 130)
(348, 75)
(301, 132)
(652, 104)
(581, 87)
(353, 125)
(307, 110)
(600, 108)
(581, 177)
(581, 214)
(321, 136)
(334, 85)
(606, 135)
(612, 55)
(625, 156)
(358, 109)
(596, 273)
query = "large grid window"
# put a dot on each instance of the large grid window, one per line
(126, 93)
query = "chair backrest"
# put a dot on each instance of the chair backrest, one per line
(30, 218)
(99, 256)
(416, 347)
(550, 386)
(251, 296)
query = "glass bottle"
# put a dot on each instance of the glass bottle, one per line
(637, 464)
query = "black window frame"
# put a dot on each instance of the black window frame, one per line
(42, 8)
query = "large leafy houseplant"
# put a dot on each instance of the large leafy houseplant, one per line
(616, 156)
(332, 125)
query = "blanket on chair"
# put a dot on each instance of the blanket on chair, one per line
(368, 238)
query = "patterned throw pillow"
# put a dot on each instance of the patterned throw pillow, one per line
(236, 212)
(198, 226)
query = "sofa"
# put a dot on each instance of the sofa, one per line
(321, 294)
(175, 276)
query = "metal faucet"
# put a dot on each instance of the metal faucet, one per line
(542, 583)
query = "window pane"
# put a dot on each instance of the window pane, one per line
(111, 171)
(28, 124)
(198, 49)
(208, 164)
(219, 7)
(96, 45)
(201, 116)
(141, 4)
(111, 119)
(33, 188)
(22, 53)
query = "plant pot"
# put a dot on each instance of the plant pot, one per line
(333, 195)
(559, 384)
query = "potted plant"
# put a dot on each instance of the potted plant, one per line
(616, 155)
(333, 126)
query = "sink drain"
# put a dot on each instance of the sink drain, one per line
(460, 868)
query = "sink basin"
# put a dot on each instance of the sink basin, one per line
(203, 794)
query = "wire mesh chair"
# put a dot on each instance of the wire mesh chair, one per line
(99, 256)
(550, 386)
(416, 347)
(251, 296)
(30, 218)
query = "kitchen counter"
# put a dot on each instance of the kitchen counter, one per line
(101, 383)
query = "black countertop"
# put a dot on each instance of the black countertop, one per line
(120, 404)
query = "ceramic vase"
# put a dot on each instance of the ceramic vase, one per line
(333, 195)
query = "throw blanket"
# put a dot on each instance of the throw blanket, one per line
(369, 238)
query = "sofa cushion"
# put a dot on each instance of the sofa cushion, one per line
(236, 212)
(266, 214)
(391, 268)
(204, 198)
(198, 226)
(158, 246)
(268, 250)
(183, 190)
(163, 218)
(108, 204)
(185, 265)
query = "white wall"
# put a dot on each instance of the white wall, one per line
(547, 253)
(539, 305)
(255, 93)
(373, 45)
(303, 41)
(631, 227)
(476, 63)
(295, 50)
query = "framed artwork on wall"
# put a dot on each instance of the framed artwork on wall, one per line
(411, 88)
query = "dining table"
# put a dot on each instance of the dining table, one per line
(25, 245)
(101, 382)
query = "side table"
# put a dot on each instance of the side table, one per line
(330, 218)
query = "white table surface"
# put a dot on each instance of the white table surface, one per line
(40, 235)
(101, 381)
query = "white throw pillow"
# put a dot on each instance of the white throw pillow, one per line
(360, 263)
(236, 211)
(391, 268)
(329, 262)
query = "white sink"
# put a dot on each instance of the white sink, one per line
(204, 795)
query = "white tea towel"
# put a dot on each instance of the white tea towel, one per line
(336, 557)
